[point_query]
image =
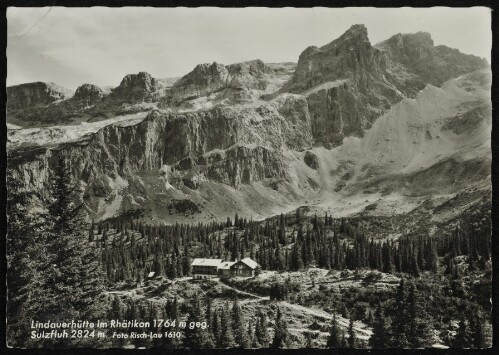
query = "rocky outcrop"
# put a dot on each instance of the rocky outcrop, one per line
(250, 75)
(88, 94)
(311, 160)
(136, 87)
(469, 120)
(202, 80)
(433, 64)
(243, 165)
(20, 97)
(206, 79)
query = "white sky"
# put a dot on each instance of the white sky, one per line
(98, 45)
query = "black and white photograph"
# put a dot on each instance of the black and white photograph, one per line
(248, 178)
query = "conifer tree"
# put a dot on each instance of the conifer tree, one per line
(280, 332)
(186, 267)
(254, 341)
(477, 330)
(261, 331)
(75, 279)
(415, 271)
(400, 326)
(26, 262)
(433, 255)
(463, 338)
(296, 257)
(344, 342)
(380, 338)
(196, 338)
(334, 340)
(419, 332)
(172, 271)
(240, 335)
(250, 331)
(117, 309)
(208, 316)
(91, 232)
(216, 329)
(352, 341)
(104, 238)
(227, 337)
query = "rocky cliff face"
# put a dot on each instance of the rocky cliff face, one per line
(225, 145)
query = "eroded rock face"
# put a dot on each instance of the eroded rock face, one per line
(244, 165)
(29, 95)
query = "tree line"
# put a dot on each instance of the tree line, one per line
(283, 245)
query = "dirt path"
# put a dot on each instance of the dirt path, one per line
(258, 298)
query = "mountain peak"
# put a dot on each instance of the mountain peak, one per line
(418, 39)
(357, 28)
(433, 64)
(422, 37)
(355, 36)
(255, 67)
(136, 87)
(34, 94)
(142, 79)
(88, 92)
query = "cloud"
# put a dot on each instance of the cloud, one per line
(100, 45)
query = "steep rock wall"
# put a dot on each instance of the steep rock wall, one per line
(226, 145)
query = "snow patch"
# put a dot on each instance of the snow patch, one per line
(60, 134)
